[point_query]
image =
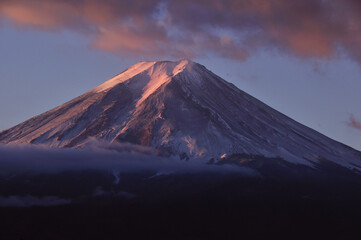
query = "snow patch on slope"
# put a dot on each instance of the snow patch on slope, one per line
(128, 73)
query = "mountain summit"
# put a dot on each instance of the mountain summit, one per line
(180, 108)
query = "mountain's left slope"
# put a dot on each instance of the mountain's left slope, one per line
(106, 112)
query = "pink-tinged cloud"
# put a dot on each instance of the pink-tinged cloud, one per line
(229, 28)
(354, 123)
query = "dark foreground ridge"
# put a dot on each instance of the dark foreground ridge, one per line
(150, 205)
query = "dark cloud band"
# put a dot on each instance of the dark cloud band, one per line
(229, 28)
(119, 157)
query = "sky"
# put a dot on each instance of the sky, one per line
(302, 57)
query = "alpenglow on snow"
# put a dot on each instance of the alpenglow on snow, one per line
(182, 109)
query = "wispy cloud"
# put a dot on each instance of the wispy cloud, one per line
(354, 123)
(28, 201)
(232, 29)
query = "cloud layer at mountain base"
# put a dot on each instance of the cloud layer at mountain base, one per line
(119, 157)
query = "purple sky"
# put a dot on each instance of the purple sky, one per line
(302, 58)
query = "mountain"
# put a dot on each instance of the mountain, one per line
(180, 108)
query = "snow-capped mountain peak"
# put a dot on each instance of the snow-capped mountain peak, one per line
(158, 72)
(180, 108)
